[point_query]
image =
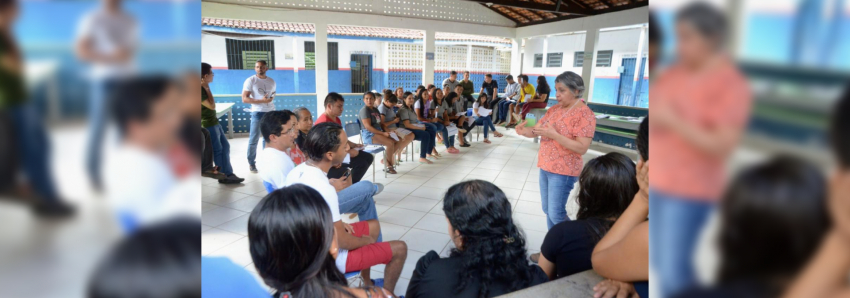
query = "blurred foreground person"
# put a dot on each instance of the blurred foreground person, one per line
(294, 246)
(106, 38)
(826, 274)
(27, 131)
(772, 218)
(701, 105)
(139, 180)
(158, 261)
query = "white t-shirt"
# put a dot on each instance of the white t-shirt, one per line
(274, 166)
(260, 88)
(140, 184)
(318, 180)
(512, 88)
(109, 32)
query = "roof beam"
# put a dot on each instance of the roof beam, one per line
(564, 7)
(504, 14)
(632, 4)
(561, 18)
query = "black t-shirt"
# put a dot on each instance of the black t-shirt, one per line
(569, 245)
(438, 277)
(300, 140)
(544, 90)
(488, 88)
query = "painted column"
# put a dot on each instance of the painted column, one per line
(637, 79)
(468, 60)
(516, 58)
(428, 65)
(297, 61)
(591, 39)
(321, 66)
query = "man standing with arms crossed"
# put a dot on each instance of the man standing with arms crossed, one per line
(259, 91)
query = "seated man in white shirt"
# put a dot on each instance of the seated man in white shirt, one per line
(360, 247)
(279, 133)
(139, 181)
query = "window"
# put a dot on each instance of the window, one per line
(243, 54)
(538, 60)
(603, 58)
(554, 59)
(310, 55)
(578, 61)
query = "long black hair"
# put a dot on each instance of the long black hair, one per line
(543, 85)
(607, 187)
(486, 103)
(290, 233)
(642, 139)
(493, 248)
(451, 97)
(774, 217)
(160, 260)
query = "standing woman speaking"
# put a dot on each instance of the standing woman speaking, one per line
(565, 134)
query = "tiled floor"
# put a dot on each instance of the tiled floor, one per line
(410, 207)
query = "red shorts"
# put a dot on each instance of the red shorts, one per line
(369, 255)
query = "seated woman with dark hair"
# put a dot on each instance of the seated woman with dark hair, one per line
(294, 246)
(489, 259)
(607, 186)
(773, 217)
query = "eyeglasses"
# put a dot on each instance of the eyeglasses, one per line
(287, 132)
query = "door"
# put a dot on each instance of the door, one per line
(626, 96)
(361, 73)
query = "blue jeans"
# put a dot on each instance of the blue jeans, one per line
(357, 198)
(486, 122)
(504, 106)
(98, 108)
(554, 191)
(448, 141)
(367, 136)
(34, 150)
(425, 138)
(254, 136)
(221, 149)
(673, 232)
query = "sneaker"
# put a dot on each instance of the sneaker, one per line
(214, 175)
(465, 145)
(379, 187)
(254, 169)
(56, 210)
(231, 179)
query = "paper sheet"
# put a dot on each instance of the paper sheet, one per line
(394, 136)
(347, 159)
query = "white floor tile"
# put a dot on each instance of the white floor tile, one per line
(381, 208)
(479, 177)
(238, 252)
(532, 186)
(484, 167)
(392, 232)
(224, 197)
(425, 241)
(440, 182)
(219, 216)
(247, 204)
(214, 239)
(531, 196)
(438, 210)
(429, 192)
(238, 225)
(512, 194)
(207, 206)
(400, 188)
(387, 198)
(533, 208)
(534, 239)
(434, 223)
(531, 222)
(417, 204)
(402, 217)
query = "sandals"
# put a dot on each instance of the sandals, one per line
(391, 170)
(425, 161)
(487, 141)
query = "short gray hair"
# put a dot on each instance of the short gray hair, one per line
(297, 112)
(573, 81)
(709, 21)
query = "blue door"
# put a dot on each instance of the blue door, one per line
(626, 96)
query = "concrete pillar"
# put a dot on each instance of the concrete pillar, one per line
(637, 79)
(468, 60)
(428, 64)
(591, 39)
(321, 66)
(516, 57)
(297, 61)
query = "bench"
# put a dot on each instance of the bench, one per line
(577, 285)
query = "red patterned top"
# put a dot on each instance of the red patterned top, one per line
(573, 123)
(296, 155)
